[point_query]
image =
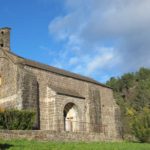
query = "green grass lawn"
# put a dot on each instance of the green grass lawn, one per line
(36, 145)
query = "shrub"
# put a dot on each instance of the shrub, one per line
(17, 119)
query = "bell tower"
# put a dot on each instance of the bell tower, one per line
(5, 38)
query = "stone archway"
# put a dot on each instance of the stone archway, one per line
(71, 118)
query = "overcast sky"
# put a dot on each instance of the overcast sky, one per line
(96, 38)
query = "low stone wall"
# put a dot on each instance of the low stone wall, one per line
(52, 135)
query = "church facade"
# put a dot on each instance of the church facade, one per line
(63, 101)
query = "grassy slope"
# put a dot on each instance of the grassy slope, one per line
(34, 145)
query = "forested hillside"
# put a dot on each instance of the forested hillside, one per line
(132, 93)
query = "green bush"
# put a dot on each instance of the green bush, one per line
(141, 126)
(17, 120)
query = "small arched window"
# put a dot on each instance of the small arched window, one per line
(1, 43)
(2, 32)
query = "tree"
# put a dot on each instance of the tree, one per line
(141, 125)
(132, 94)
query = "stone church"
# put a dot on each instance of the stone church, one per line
(63, 101)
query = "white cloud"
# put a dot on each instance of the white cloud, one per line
(103, 36)
(99, 62)
(73, 61)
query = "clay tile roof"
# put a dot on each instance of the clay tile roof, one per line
(55, 70)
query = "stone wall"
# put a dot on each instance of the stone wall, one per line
(54, 136)
(99, 105)
(94, 108)
(8, 72)
(49, 102)
(9, 93)
(19, 88)
(109, 109)
(29, 88)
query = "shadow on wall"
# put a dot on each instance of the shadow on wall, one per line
(5, 146)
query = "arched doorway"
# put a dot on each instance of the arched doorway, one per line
(71, 117)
